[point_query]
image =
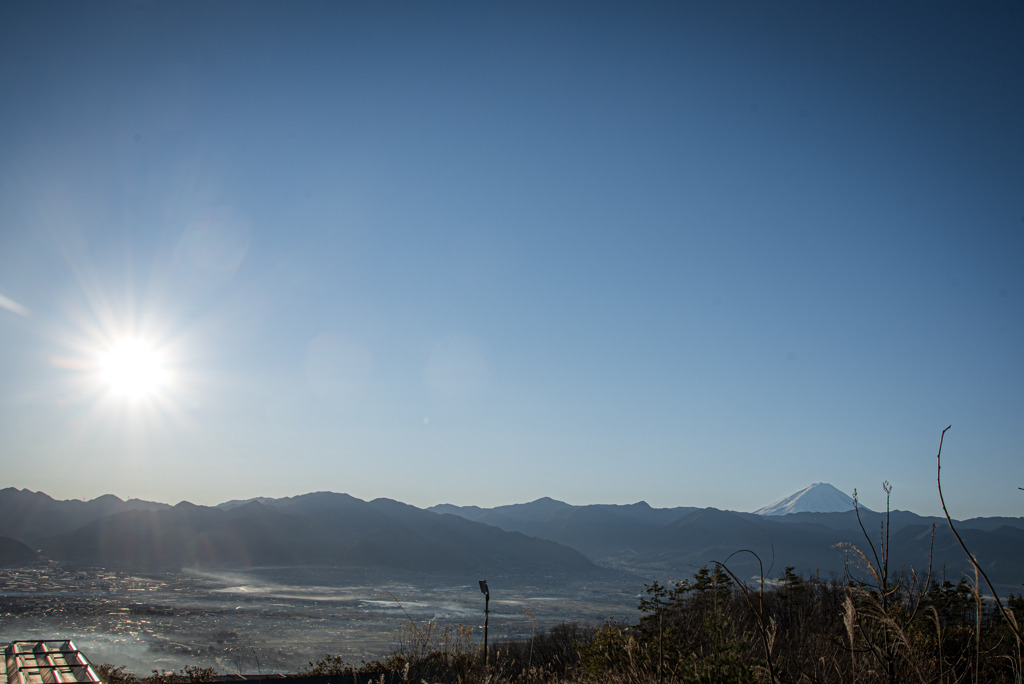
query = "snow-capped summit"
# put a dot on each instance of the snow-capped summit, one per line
(819, 497)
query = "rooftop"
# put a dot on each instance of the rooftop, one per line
(52, 661)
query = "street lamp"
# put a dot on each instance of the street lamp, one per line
(487, 611)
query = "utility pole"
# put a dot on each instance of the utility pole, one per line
(487, 612)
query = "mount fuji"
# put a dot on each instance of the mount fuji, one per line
(819, 497)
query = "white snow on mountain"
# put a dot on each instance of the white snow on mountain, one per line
(819, 497)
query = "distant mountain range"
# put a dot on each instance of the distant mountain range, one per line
(313, 529)
(544, 537)
(675, 542)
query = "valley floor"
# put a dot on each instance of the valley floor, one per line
(275, 620)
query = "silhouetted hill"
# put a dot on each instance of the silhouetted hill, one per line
(441, 541)
(547, 510)
(597, 530)
(14, 553)
(511, 517)
(847, 520)
(673, 543)
(31, 516)
(992, 523)
(999, 551)
(313, 529)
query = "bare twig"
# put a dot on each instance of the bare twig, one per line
(970, 556)
(395, 599)
(871, 545)
(765, 631)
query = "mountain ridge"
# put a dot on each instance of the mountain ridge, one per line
(322, 528)
(544, 537)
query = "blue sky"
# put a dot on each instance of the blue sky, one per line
(696, 254)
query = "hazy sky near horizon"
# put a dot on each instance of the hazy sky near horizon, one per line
(697, 254)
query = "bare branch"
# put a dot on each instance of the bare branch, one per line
(871, 545)
(766, 632)
(970, 556)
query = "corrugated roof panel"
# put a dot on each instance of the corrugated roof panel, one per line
(50, 661)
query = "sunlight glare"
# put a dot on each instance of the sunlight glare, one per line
(133, 368)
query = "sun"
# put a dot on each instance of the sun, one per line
(133, 368)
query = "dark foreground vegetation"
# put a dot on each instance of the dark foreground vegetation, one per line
(710, 628)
